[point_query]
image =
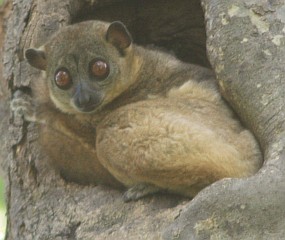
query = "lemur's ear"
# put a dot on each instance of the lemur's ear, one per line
(36, 58)
(118, 35)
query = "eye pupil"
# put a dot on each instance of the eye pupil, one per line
(63, 79)
(99, 69)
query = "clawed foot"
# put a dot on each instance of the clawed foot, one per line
(138, 191)
(22, 106)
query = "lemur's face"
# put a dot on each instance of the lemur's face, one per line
(87, 65)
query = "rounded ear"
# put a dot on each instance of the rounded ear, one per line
(118, 35)
(36, 58)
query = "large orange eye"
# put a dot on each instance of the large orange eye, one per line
(99, 69)
(63, 79)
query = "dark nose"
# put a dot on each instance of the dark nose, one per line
(86, 99)
(82, 95)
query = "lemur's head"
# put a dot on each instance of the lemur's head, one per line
(87, 65)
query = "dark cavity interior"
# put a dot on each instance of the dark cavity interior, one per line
(174, 26)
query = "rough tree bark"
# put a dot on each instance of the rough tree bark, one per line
(245, 40)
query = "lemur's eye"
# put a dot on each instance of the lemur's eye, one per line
(99, 69)
(63, 79)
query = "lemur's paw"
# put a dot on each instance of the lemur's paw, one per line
(139, 191)
(22, 106)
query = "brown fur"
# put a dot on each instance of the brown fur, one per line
(180, 143)
(162, 123)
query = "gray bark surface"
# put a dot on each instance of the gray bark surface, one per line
(4, 91)
(246, 48)
(245, 41)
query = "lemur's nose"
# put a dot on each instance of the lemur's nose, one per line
(83, 95)
(86, 99)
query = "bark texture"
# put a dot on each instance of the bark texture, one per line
(245, 41)
(246, 48)
(4, 91)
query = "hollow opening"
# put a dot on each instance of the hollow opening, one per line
(175, 26)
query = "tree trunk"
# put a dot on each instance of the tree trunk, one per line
(245, 41)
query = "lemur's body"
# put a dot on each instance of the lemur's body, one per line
(152, 121)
